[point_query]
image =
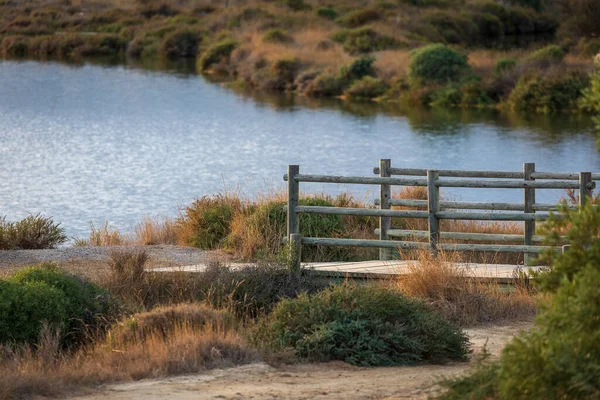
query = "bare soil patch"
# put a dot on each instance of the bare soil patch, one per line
(334, 380)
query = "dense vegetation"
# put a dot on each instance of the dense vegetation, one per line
(32, 232)
(560, 358)
(496, 49)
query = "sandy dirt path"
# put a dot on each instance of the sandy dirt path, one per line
(336, 380)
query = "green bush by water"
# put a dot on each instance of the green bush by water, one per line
(32, 232)
(362, 325)
(436, 63)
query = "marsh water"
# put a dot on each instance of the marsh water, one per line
(89, 142)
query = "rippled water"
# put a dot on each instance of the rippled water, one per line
(89, 143)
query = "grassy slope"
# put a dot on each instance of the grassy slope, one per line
(300, 46)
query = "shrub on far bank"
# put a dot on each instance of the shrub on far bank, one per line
(357, 18)
(504, 65)
(216, 53)
(326, 12)
(32, 232)
(277, 35)
(436, 63)
(182, 43)
(547, 56)
(367, 88)
(362, 325)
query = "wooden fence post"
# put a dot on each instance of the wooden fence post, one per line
(385, 194)
(433, 206)
(585, 192)
(529, 201)
(293, 223)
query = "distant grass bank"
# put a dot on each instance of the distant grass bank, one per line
(525, 55)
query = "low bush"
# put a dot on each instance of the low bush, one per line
(555, 91)
(182, 43)
(362, 325)
(546, 56)
(326, 84)
(365, 40)
(26, 308)
(367, 88)
(361, 67)
(452, 27)
(436, 63)
(326, 12)
(86, 306)
(216, 53)
(206, 222)
(32, 232)
(297, 5)
(285, 72)
(277, 35)
(357, 18)
(14, 46)
(504, 65)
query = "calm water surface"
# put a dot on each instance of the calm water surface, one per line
(90, 143)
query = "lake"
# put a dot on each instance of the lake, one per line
(89, 142)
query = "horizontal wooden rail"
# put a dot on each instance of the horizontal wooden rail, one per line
(359, 180)
(465, 183)
(365, 212)
(486, 174)
(464, 205)
(416, 245)
(491, 216)
(492, 237)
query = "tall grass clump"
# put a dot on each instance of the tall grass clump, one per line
(104, 236)
(453, 289)
(216, 53)
(363, 326)
(559, 359)
(153, 231)
(206, 222)
(32, 232)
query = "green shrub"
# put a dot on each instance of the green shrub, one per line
(277, 35)
(216, 53)
(206, 222)
(588, 48)
(366, 40)
(32, 232)
(547, 55)
(362, 325)
(558, 91)
(560, 358)
(180, 43)
(85, 304)
(537, 5)
(326, 12)
(14, 46)
(452, 26)
(367, 88)
(26, 308)
(327, 85)
(505, 64)
(590, 100)
(297, 5)
(436, 63)
(357, 18)
(361, 67)
(285, 72)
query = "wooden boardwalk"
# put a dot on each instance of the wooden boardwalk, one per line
(501, 273)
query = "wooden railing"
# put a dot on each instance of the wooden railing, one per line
(529, 180)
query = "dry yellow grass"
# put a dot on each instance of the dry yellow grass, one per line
(187, 349)
(156, 231)
(452, 289)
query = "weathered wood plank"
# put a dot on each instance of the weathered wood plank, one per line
(495, 248)
(470, 205)
(433, 200)
(385, 194)
(367, 212)
(465, 183)
(293, 198)
(528, 202)
(585, 192)
(500, 216)
(359, 180)
(491, 237)
(364, 243)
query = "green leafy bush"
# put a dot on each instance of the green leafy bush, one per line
(505, 64)
(560, 358)
(297, 5)
(362, 325)
(326, 85)
(326, 12)
(277, 35)
(436, 63)
(85, 304)
(206, 222)
(367, 88)
(365, 40)
(180, 43)
(217, 52)
(548, 93)
(361, 67)
(357, 18)
(26, 308)
(590, 100)
(451, 26)
(32, 232)
(547, 55)
(285, 72)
